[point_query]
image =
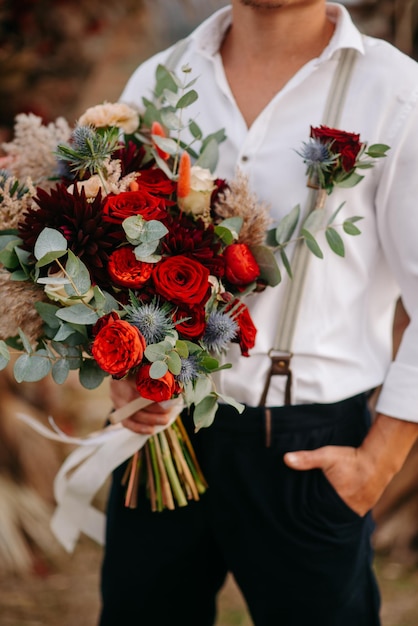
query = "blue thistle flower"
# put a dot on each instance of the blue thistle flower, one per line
(189, 369)
(151, 319)
(88, 148)
(220, 330)
(316, 154)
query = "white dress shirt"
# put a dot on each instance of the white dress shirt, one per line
(342, 343)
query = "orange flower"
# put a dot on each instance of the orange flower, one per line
(118, 347)
(241, 267)
(126, 271)
(183, 184)
(158, 130)
(156, 389)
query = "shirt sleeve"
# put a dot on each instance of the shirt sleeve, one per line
(397, 218)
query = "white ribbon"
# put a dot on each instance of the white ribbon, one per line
(87, 468)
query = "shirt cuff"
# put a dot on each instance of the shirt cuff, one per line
(399, 395)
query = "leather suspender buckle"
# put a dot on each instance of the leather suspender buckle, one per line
(280, 366)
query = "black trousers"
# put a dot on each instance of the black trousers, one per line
(300, 555)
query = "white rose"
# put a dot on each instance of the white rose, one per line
(111, 114)
(56, 291)
(197, 202)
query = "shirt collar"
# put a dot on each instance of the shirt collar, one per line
(209, 35)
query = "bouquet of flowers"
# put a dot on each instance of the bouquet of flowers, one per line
(122, 258)
(127, 260)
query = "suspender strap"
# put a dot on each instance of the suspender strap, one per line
(281, 353)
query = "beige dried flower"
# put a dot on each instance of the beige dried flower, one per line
(238, 200)
(33, 146)
(13, 206)
(17, 308)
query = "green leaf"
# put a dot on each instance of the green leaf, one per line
(32, 367)
(164, 80)
(377, 150)
(171, 120)
(90, 374)
(195, 130)
(350, 228)
(174, 362)
(219, 136)
(334, 215)
(64, 331)
(312, 243)
(187, 99)
(158, 369)
(233, 224)
(79, 274)
(104, 302)
(350, 181)
(204, 412)
(209, 364)
(166, 144)
(50, 243)
(25, 341)
(286, 263)
(78, 314)
(314, 220)
(266, 261)
(287, 226)
(48, 313)
(8, 255)
(229, 400)
(334, 241)
(4, 355)
(202, 388)
(182, 349)
(209, 156)
(145, 250)
(60, 371)
(157, 351)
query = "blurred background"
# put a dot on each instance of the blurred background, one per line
(57, 57)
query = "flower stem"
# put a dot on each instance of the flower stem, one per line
(167, 496)
(171, 470)
(153, 476)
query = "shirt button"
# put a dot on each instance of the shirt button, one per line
(245, 158)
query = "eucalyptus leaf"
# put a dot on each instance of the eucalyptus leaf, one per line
(156, 351)
(187, 99)
(234, 224)
(314, 220)
(209, 156)
(60, 371)
(164, 80)
(266, 261)
(174, 362)
(182, 349)
(287, 226)
(350, 181)
(64, 331)
(312, 243)
(195, 130)
(334, 215)
(204, 412)
(145, 250)
(25, 341)
(31, 368)
(286, 263)
(90, 375)
(171, 120)
(158, 369)
(162, 164)
(19, 275)
(202, 388)
(78, 314)
(229, 400)
(377, 150)
(50, 241)
(166, 144)
(351, 229)
(335, 241)
(79, 275)
(48, 312)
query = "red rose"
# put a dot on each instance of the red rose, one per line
(247, 330)
(181, 280)
(156, 389)
(193, 324)
(128, 203)
(118, 347)
(126, 271)
(154, 181)
(241, 267)
(347, 145)
(102, 321)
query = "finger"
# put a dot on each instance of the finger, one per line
(309, 459)
(138, 427)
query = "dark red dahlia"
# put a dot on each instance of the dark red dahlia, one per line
(81, 223)
(194, 239)
(130, 156)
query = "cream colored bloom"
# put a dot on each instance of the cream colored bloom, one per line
(111, 114)
(56, 291)
(197, 202)
(91, 186)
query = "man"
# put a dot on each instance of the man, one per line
(287, 510)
